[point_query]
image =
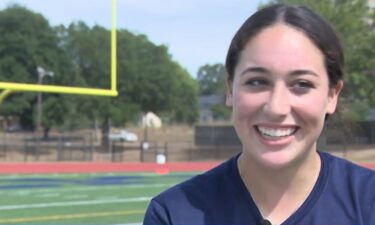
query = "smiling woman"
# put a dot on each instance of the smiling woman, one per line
(280, 95)
(285, 74)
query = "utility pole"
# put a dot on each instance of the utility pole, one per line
(41, 73)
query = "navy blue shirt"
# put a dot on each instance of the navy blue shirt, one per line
(343, 194)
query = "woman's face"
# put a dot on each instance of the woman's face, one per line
(280, 95)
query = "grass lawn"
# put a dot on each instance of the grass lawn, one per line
(106, 198)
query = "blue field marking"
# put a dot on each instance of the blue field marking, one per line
(103, 180)
(30, 179)
(111, 180)
(27, 186)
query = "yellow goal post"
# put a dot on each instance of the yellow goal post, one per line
(11, 87)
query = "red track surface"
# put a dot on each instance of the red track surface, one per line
(80, 167)
(368, 165)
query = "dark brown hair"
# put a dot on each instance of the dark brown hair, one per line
(301, 18)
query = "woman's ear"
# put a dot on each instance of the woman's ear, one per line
(229, 96)
(333, 96)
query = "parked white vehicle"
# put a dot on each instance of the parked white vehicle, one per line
(123, 135)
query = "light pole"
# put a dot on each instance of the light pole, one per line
(41, 73)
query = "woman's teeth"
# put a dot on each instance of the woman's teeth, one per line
(276, 132)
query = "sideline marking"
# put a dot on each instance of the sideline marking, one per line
(71, 216)
(90, 202)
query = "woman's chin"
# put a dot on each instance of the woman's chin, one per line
(276, 160)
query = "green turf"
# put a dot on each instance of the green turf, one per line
(108, 198)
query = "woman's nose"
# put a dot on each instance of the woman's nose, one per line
(278, 104)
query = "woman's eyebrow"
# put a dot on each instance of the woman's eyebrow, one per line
(303, 72)
(255, 69)
(262, 70)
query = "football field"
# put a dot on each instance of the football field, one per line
(101, 198)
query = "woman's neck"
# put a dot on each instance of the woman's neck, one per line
(278, 192)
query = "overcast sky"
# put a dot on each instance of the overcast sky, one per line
(196, 32)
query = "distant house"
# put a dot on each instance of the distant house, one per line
(205, 104)
(151, 120)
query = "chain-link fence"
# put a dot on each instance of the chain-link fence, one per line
(205, 143)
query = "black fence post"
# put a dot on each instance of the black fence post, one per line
(372, 132)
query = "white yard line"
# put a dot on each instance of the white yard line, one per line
(19, 192)
(91, 188)
(76, 196)
(107, 198)
(150, 174)
(48, 195)
(74, 203)
(129, 224)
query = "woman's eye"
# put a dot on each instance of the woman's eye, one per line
(302, 86)
(257, 82)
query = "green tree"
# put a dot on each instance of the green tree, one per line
(184, 106)
(211, 79)
(153, 81)
(220, 111)
(148, 79)
(89, 50)
(354, 22)
(28, 41)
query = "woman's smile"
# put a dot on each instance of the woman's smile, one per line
(275, 131)
(276, 135)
